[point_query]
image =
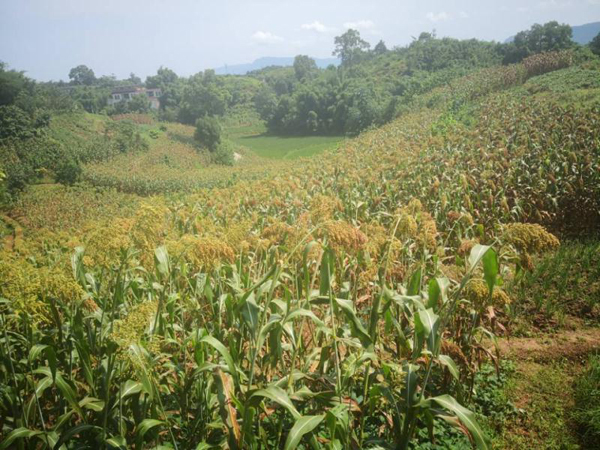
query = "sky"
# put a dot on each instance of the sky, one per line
(46, 38)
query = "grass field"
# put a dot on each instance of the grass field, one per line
(254, 137)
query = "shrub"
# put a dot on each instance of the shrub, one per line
(68, 172)
(208, 132)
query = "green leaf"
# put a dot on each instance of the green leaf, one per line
(130, 388)
(18, 433)
(466, 416)
(445, 360)
(477, 253)
(279, 396)
(302, 426)
(161, 260)
(147, 424)
(414, 285)
(426, 326)
(358, 330)
(68, 392)
(411, 383)
(224, 353)
(250, 312)
(117, 442)
(490, 268)
(95, 404)
(326, 272)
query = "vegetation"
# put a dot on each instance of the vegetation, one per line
(353, 299)
(587, 398)
(208, 132)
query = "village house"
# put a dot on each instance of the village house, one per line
(126, 93)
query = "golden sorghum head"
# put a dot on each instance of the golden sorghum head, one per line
(30, 289)
(477, 291)
(530, 238)
(407, 227)
(322, 207)
(202, 252)
(414, 206)
(131, 329)
(342, 235)
(465, 246)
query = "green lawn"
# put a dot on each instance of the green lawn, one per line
(253, 137)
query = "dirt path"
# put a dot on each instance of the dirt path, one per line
(542, 388)
(569, 344)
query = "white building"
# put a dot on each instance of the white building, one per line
(126, 93)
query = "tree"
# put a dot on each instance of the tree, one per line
(380, 48)
(139, 104)
(350, 48)
(134, 79)
(208, 132)
(12, 83)
(304, 67)
(549, 37)
(82, 75)
(595, 45)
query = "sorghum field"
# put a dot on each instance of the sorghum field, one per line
(351, 300)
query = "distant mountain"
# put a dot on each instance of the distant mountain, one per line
(582, 34)
(261, 63)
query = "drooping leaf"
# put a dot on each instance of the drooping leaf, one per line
(279, 396)
(303, 425)
(147, 424)
(476, 254)
(466, 417)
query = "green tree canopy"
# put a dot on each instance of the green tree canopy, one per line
(350, 47)
(304, 67)
(551, 36)
(82, 75)
(208, 132)
(595, 45)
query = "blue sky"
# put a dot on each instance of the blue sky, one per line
(48, 37)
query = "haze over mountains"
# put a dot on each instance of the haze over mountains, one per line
(261, 63)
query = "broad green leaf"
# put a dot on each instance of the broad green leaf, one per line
(18, 433)
(95, 404)
(130, 388)
(426, 325)
(466, 416)
(414, 285)
(279, 396)
(147, 424)
(445, 360)
(358, 329)
(250, 312)
(477, 253)
(117, 442)
(224, 353)
(303, 425)
(161, 260)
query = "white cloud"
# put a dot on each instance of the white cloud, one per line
(463, 15)
(316, 26)
(439, 17)
(360, 25)
(554, 4)
(266, 37)
(594, 2)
